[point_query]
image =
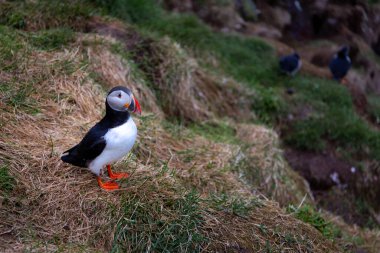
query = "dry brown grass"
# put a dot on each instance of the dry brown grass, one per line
(58, 207)
(49, 201)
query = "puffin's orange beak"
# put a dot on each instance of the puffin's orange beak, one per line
(134, 106)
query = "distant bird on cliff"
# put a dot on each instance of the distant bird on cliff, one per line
(110, 139)
(340, 63)
(290, 64)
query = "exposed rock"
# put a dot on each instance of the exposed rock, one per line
(318, 168)
(376, 46)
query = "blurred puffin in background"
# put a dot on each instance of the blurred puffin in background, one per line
(110, 139)
(340, 63)
(290, 64)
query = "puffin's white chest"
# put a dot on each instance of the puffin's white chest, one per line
(121, 138)
(119, 141)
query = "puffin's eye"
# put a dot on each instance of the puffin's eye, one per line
(119, 95)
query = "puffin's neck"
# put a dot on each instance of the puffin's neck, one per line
(115, 118)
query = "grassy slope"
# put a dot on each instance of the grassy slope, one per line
(243, 59)
(161, 209)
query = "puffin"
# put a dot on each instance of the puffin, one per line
(290, 64)
(109, 140)
(340, 63)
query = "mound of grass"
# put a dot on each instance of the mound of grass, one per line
(308, 214)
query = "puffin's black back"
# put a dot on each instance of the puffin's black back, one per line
(340, 64)
(289, 63)
(93, 143)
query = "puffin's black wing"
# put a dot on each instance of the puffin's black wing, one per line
(88, 149)
(339, 67)
(288, 63)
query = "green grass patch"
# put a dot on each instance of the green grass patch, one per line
(269, 105)
(160, 225)
(11, 44)
(308, 214)
(332, 117)
(17, 94)
(217, 132)
(52, 39)
(45, 14)
(7, 182)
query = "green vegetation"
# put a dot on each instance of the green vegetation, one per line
(160, 225)
(308, 214)
(7, 182)
(52, 39)
(218, 132)
(331, 117)
(45, 14)
(10, 45)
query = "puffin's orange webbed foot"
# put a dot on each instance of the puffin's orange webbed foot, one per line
(113, 175)
(108, 186)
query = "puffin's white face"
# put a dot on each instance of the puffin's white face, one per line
(122, 101)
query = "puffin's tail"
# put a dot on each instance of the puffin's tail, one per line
(69, 156)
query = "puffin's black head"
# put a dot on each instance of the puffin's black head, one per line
(343, 52)
(121, 99)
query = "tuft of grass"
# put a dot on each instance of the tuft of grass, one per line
(308, 214)
(217, 132)
(10, 45)
(17, 94)
(160, 225)
(52, 39)
(234, 205)
(268, 105)
(7, 182)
